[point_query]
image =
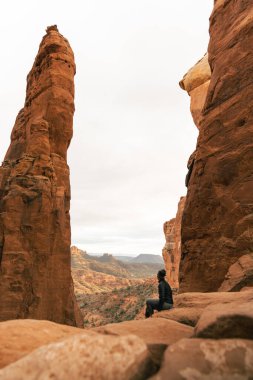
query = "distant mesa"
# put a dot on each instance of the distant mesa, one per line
(147, 259)
(128, 268)
(107, 258)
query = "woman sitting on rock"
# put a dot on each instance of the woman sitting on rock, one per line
(165, 301)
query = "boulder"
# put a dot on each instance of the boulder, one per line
(86, 356)
(197, 75)
(20, 337)
(186, 315)
(157, 333)
(207, 359)
(202, 300)
(229, 320)
(239, 275)
(188, 307)
(196, 82)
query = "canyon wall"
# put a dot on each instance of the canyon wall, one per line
(35, 274)
(217, 224)
(172, 249)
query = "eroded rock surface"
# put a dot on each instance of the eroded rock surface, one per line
(35, 277)
(231, 320)
(202, 300)
(186, 315)
(156, 333)
(239, 275)
(217, 223)
(225, 359)
(20, 337)
(196, 83)
(85, 356)
(189, 307)
(172, 249)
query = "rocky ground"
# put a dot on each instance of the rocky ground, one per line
(206, 336)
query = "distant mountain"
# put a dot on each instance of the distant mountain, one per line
(123, 258)
(110, 265)
(106, 258)
(147, 259)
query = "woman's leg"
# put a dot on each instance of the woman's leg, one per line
(151, 305)
(167, 306)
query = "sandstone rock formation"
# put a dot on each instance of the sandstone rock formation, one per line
(156, 333)
(85, 356)
(217, 223)
(202, 300)
(186, 315)
(239, 275)
(172, 249)
(208, 359)
(221, 321)
(189, 307)
(196, 83)
(35, 277)
(20, 337)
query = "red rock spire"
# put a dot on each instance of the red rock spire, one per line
(35, 277)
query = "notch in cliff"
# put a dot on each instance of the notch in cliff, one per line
(35, 275)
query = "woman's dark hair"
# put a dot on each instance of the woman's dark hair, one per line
(161, 273)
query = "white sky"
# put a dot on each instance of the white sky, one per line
(133, 131)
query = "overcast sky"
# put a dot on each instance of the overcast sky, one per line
(133, 131)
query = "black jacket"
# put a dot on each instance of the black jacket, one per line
(165, 293)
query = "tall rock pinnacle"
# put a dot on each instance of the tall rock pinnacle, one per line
(172, 250)
(217, 223)
(35, 273)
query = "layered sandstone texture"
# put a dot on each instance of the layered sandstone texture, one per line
(172, 249)
(35, 274)
(217, 224)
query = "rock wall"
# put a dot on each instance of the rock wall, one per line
(35, 275)
(172, 249)
(217, 224)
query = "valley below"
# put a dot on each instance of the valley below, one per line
(109, 290)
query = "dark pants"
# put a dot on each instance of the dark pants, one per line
(153, 304)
